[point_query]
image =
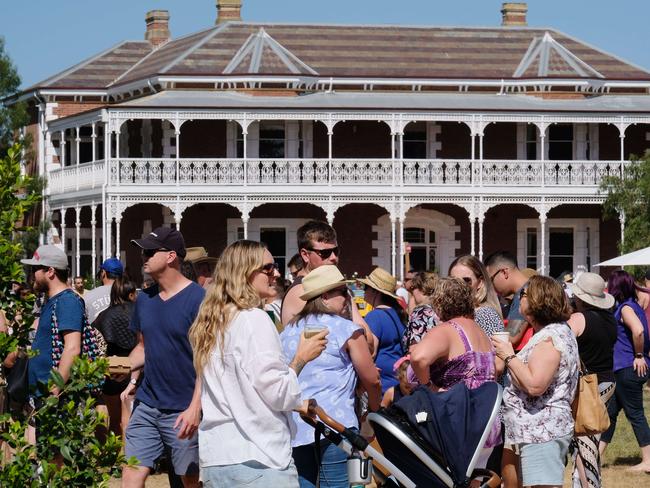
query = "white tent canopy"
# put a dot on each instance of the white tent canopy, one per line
(636, 258)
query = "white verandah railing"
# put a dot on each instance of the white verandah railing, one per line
(339, 172)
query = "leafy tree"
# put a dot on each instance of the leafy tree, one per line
(14, 116)
(69, 452)
(17, 197)
(631, 195)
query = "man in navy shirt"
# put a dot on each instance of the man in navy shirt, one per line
(167, 410)
(50, 269)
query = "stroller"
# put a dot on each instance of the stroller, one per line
(427, 439)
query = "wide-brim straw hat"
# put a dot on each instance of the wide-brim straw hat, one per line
(382, 281)
(322, 279)
(590, 288)
(198, 255)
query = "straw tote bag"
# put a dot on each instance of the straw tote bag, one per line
(589, 411)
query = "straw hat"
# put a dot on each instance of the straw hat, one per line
(590, 288)
(382, 281)
(198, 254)
(322, 279)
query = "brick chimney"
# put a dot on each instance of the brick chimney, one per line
(514, 14)
(157, 27)
(228, 10)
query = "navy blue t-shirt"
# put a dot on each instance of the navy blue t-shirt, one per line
(169, 374)
(388, 328)
(70, 317)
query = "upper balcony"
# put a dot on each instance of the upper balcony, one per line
(198, 175)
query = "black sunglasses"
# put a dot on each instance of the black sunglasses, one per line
(269, 268)
(39, 268)
(325, 253)
(150, 252)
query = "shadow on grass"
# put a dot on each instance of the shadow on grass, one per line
(625, 461)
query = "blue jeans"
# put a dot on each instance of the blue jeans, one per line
(629, 397)
(251, 474)
(333, 469)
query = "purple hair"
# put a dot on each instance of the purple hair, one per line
(622, 286)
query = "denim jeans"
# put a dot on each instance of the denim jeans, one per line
(251, 474)
(333, 469)
(629, 397)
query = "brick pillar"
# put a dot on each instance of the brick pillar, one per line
(514, 14)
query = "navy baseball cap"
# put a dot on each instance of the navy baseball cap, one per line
(113, 266)
(163, 238)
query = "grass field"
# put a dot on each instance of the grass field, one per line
(622, 453)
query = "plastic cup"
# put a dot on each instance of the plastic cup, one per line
(312, 330)
(502, 336)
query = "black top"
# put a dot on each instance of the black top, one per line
(113, 323)
(596, 343)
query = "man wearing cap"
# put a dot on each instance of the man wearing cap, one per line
(167, 407)
(98, 299)
(202, 263)
(49, 267)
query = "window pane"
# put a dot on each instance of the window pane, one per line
(432, 236)
(432, 258)
(418, 258)
(271, 139)
(414, 235)
(276, 242)
(560, 251)
(560, 142)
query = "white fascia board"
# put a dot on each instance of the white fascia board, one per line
(86, 118)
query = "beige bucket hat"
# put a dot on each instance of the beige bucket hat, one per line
(590, 288)
(198, 254)
(382, 281)
(322, 279)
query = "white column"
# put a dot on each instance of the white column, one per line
(63, 212)
(108, 238)
(400, 136)
(94, 141)
(93, 236)
(393, 245)
(542, 152)
(244, 135)
(621, 218)
(330, 133)
(472, 233)
(62, 148)
(400, 232)
(77, 257)
(178, 156)
(244, 218)
(392, 157)
(77, 140)
(480, 156)
(178, 216)
(473, 156)
(118, 221)
(481, 219)
(542, 225)
(622, 138)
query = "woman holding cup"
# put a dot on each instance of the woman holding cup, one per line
(331, 378)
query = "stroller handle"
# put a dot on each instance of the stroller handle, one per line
(329, 421)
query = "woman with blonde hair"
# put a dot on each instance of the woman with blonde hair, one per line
(487, 312)
(248, 389)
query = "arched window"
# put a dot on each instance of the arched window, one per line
(423, 248)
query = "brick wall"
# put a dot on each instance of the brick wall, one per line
(499, 142)
(65, 109)
(361, 139)
(203, 139)
(456, 141)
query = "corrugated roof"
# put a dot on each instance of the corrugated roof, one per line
(352, 51)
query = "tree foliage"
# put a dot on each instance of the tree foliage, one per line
(17, 197)
(631, 195)
(13, 116)
(69, 452)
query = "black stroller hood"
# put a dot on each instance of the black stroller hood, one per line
(454, 423)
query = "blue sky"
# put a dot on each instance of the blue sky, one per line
(47, 36)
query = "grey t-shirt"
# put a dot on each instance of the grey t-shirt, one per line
(97, 300)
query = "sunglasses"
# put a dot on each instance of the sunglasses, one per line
(523, 293)
(148, 253)
(496, 273)
(269, 269)
(39, 268)
(325, 253)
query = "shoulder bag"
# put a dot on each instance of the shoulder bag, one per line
(589, 411)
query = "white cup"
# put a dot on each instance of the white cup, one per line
(502, 336)
(312, 330)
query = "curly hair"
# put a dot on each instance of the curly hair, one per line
(453, 298)
(231, 292)
(546, 301)
(485, 295)
(425, 282)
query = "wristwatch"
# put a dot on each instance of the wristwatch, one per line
(638, 355)
(133, 381)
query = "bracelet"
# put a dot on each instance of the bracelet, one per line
(509, 358)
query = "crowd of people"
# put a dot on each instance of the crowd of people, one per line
(225, 355)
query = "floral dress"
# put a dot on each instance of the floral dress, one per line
(421, 320)
(533, 420)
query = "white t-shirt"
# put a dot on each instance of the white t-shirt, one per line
(97, 300)
(247, 397)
